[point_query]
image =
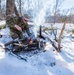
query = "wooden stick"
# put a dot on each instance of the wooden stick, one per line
(60, 37)
(9, 43)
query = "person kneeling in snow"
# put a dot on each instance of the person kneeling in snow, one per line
(17, 25)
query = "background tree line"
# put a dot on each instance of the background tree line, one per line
(53, 15)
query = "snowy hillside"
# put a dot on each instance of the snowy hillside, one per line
(47, 62)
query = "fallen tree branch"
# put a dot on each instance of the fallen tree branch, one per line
(53, 44)
(51, 41)
(11, 42)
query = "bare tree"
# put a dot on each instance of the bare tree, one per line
(19, 2)
(0, 10)
(71, 15)
(57, 8)
(16, 12)
(20, 7)
(9, 9)
(0, 5)
(64, 14)
(60, 37)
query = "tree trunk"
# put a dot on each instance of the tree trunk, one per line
(0, 10)
(60, 37)
(9, 9)
(20, 8)
(0, 5)
(16, 12)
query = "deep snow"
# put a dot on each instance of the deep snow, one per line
(42, 63)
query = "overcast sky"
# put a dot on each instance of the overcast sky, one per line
(68, 4)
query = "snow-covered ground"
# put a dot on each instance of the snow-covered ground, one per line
(47, 62)
(2, 22)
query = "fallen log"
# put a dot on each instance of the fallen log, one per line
(11, 42)
(53, 43)
(14, 41)
(16, 46)
(20, 45)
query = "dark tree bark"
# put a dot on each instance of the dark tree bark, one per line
(9, 9)
(0, 10)
(16, 12)
(0, 5)
(20, 7)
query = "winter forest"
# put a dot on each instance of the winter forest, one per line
(36, 37)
